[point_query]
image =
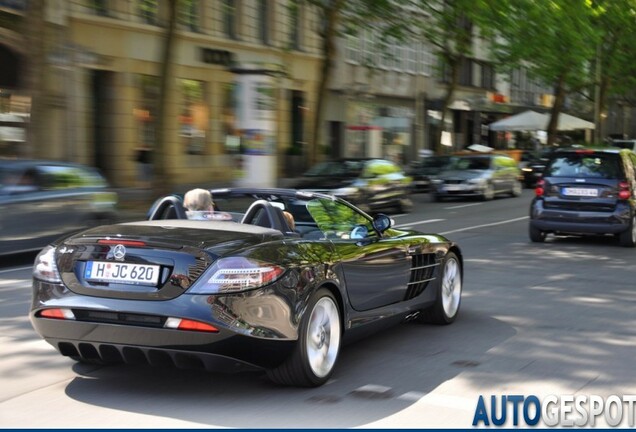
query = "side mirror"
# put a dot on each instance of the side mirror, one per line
(382, 222)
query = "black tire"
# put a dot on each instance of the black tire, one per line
(449, 292)
(536, 235)
(628, 238)
(438, 197)
(322, 319)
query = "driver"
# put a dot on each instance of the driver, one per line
(199, 206)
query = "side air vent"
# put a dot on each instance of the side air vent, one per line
(422, 272)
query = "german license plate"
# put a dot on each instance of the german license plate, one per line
(454, 187)
(136, 274)
(580, 192)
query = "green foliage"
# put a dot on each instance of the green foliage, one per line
(552, 40)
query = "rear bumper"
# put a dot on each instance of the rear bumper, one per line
(133, 331)
(580, 222)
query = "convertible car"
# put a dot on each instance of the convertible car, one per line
(243, 293)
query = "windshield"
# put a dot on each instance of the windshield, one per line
(351, 168)
(470, 163)
(584, 165)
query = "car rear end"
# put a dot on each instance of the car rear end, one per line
(584, 191)
(176, 293)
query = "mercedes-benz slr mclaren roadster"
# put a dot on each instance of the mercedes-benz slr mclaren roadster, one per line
(246, 290)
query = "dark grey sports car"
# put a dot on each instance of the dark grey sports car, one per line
(251, 292)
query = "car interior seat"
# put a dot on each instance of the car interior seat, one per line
(169, 207)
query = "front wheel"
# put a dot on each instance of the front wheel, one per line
(517, 188)
(489, 192)
(314, 357)
(449, 292)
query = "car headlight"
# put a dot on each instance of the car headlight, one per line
(526, 169)
(477, 181)
(44, 267)
(436, 181)
(234, 274)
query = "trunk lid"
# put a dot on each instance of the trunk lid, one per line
(150, 260)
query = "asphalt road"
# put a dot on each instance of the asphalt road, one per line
(536, 319)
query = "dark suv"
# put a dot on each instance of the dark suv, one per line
(584, 192)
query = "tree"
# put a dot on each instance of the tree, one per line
(161, 179)
(554, 41)
(340, 17)
(450, 26)
(616, 71)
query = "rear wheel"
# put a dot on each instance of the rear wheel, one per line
(517, 188)
(314, 357)
(449, 293)
(536, 235)
(628, 237)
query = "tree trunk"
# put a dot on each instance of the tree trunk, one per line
(454, 64)
(35, 31)
(161, 178)
(332, 13)
(559, 98)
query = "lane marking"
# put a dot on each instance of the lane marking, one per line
(410, 224)
(462, 206)
(486, 225)
(16, 269)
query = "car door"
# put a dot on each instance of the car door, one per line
(375, 269)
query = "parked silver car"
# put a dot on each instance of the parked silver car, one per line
(43, 200)
(478, 175)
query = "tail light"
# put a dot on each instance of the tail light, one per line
(57, 313)
(539, 191)
(189, 325)
(44, 267)
(234, 274)
(624, 191)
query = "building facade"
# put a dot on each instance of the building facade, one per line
(102, 66)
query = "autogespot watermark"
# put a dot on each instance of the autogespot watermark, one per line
(555, 410)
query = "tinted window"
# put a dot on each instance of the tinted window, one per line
(594, 165)
(470, 163)
(346, 167)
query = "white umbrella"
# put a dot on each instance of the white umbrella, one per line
(532, 121)
(568, 122)
(524, 121)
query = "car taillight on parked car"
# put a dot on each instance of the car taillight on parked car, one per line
(624, 191)
(539, 190)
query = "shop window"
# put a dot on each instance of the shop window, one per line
(146, 110)
(194, 117)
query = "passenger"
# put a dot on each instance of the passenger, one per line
(289, 218)
(199, 206)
